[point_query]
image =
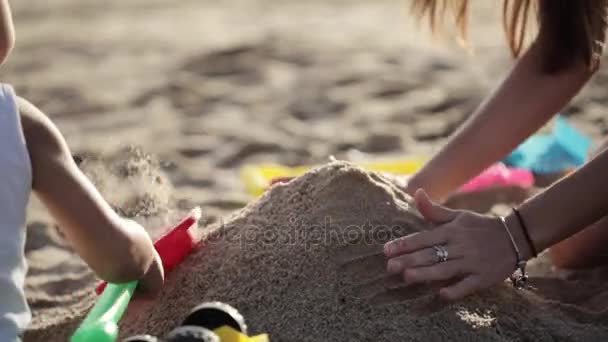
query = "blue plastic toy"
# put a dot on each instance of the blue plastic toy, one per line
(564, 149)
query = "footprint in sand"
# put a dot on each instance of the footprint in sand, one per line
(63, 101)
(391, 90)
(235, 155)
(40, 235)
(315, 105)
(194, 151)
(381, 142)
(241, 63)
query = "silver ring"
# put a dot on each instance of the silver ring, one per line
(441, 252)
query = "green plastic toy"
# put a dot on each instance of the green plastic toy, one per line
(101, 324)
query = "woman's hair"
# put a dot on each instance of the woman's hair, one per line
(570, 31)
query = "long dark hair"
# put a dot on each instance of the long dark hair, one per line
(571, 31)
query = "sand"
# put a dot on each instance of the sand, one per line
(206, 87)
(304, 263)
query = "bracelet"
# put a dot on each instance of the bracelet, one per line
(525, 229)
(519, 278)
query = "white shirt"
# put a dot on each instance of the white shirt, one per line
(15, 188)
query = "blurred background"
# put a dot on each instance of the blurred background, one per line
(162, 102)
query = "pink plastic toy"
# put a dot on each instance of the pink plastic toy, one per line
(499, 175)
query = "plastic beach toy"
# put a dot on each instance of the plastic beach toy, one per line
(499, 175)
(101, 324)
(257, 178)
(210, 321)
(564, 149)
(496, 175)
(229, 334)
(224, 320)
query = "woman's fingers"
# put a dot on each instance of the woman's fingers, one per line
(461, 289)
(421, 258)
(441, 271)
(479, 251)
(432, 211)
(414, 242)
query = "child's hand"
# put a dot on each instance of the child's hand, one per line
(151, 283)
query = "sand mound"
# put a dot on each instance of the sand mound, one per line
(304, 262)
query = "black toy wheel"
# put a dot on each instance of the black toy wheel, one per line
(190, 333)
(213, 315)
(141, 338)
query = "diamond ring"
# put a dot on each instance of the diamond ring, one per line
(441, 252)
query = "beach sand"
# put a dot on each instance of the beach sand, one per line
(305, 263)
(206, 87)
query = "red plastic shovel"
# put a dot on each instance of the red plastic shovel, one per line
(174, 246)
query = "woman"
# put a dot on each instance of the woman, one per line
(472, 251)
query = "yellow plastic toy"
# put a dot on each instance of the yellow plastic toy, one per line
(210, 321)
(229, 334)
(224, 320)
(257, 178)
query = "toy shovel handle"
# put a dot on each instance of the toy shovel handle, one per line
(101, 324)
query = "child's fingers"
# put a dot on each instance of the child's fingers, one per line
(151, 283)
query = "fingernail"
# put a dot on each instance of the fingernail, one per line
(388, 248)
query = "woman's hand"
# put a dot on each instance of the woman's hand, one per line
(480, 253)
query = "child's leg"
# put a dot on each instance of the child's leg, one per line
(587, 248)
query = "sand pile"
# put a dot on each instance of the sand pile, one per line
(304, 263)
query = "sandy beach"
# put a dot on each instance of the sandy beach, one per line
(162, 102)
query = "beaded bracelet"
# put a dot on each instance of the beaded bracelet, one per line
(519, 278)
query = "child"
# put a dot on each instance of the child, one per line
(34, 156)
(472, 251)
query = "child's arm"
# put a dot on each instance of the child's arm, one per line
(118, 250)
(7, 31)
(526, 100)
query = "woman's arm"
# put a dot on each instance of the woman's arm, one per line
(573, 203)
(118, 250)
(480, 251)
(526, 100)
